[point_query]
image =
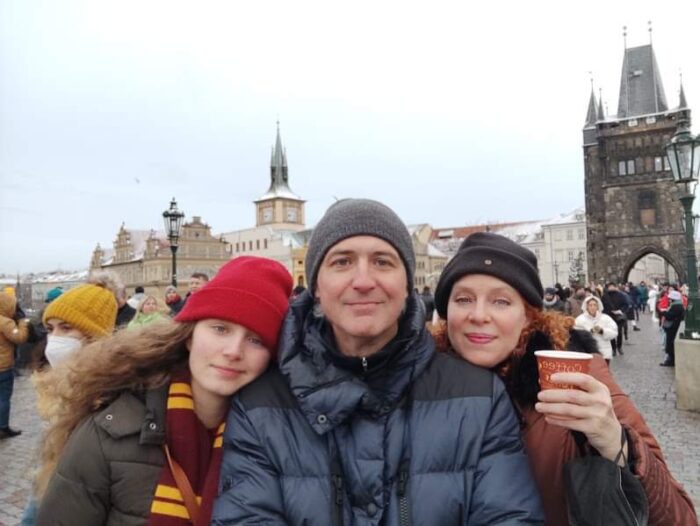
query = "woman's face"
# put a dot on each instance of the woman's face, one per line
(149, 306)
(592, 307)
(224, 356)
(485, 317)
(58, 327)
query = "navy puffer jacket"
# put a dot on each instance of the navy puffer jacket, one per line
(406, 437)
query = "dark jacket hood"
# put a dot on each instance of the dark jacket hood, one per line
(324, 382)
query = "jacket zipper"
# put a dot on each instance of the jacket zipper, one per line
(337, 500)
(365, 366)
(624, 497)
(404, 515)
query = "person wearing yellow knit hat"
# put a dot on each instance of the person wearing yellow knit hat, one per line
(77, 317)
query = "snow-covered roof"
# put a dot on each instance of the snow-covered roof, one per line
(522, 233)
(577, 215)
(58, 276)
(295, 239)
(435, 252)
(138, 240)
(276, 192)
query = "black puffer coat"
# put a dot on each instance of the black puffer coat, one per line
(412, 438)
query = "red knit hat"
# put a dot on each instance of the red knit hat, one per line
(251, 291)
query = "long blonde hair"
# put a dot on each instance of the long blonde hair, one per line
(98, 373)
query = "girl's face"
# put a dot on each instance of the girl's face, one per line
(485, 317)
(224, 356)
(149, 306)
(57, 327)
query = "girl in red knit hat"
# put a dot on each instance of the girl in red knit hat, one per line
(138, 436)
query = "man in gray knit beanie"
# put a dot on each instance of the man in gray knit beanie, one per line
(362, 418)
(358, 217)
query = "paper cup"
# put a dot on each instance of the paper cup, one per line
(550, 362)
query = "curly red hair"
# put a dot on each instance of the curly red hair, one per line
(554, 324)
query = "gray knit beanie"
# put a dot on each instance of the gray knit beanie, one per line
(358, 217)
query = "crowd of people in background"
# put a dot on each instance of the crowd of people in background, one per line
(352, 383)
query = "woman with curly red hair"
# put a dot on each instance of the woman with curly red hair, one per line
(489, 298)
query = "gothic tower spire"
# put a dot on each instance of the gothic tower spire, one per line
(591, 114)
(280, 207)
(641, 89)
(683, 103)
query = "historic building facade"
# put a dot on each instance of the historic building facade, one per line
(632, 206)
(558, 243)
(143, 257)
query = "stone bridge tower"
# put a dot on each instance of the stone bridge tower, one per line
(632, 206)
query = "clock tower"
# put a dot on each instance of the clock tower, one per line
(280, 208)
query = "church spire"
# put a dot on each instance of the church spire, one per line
(641, 89)
(591, 115)
(683, 103)
(601, 112)
(279, 178)
(279, 175)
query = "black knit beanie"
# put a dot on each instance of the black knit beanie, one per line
(358, 217)
(497, 256)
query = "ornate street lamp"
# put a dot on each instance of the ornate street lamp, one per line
(683, 153)
(173, 223)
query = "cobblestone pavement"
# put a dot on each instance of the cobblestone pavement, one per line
(653, 391)
(651, 388)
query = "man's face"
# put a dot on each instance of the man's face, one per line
(362, 288)
(196, 283)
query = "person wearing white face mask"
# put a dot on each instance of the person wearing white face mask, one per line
(77, 317)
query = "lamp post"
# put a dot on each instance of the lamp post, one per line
(173, 223)
(683, 153)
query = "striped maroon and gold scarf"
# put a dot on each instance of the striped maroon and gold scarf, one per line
(198, 452)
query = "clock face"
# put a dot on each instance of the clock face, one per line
(291, 214)
(267, 214)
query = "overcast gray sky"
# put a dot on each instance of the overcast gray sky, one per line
(451, 113)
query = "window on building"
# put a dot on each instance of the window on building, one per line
(667, 165)
(658, 164)
(571, 255)
(581, 233)
(647, 207)
(237, 249)
(630, 167)
(622, 168)
(569, 235)
(257, 244)
(265, 243)
(250, 245)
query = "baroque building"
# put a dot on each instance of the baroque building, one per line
(632, 206)
(143, 257)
